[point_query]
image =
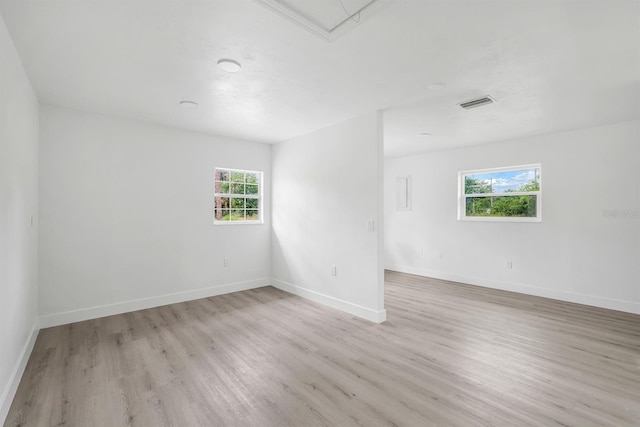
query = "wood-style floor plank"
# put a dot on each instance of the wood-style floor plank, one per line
(449, 354)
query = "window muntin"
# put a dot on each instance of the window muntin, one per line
(238, 196)
(501, 194)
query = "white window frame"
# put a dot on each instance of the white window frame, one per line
(258, 196)
(462, 212)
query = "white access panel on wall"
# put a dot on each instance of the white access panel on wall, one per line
(403, 193)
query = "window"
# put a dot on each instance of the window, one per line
(238, 197)
(502, 194)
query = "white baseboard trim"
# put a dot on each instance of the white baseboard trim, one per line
(80, 315)
(348, 307)
(592, 300)
(10, 389)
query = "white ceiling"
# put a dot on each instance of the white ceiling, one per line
(552, 65)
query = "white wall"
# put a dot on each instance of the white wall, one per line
(326, 187)
(126, 216)
(576, 253)
(18, 203)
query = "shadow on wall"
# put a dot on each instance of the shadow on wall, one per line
(281, 270)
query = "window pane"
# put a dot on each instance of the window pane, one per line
(237, 188)
(252, 203)
(252, 178)
(222, 187)
(222, 175)
(473, 185)
(252, 215)
(221, 214)
(514, 206)
(237, 176)
(237, 203)
(221, 202)
(478, 206)
(237, 215)
(519, 180)
(502, 206)
(252, 189)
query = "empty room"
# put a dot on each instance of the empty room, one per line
(319, 213)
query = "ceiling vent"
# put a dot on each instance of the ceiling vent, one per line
(475, 103)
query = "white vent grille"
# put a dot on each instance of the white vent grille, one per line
(475, 103)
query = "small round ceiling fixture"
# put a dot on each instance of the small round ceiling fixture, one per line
(424, 134)
(188, 105)
(436, 86)
(229, 65)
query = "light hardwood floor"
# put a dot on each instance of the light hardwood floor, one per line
(448, 355)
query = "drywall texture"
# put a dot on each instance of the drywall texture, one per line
(325, 192)
(18, 204)
(127, 214)
(587, 247)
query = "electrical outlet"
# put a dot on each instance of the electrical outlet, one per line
(334, 270)
(225, 262)
(509, 265)
(441, 256)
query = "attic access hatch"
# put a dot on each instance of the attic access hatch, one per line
(327, 19)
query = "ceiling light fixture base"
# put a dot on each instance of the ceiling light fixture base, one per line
(229, 65)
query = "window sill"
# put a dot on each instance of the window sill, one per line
(498, 219)
(225, 223)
